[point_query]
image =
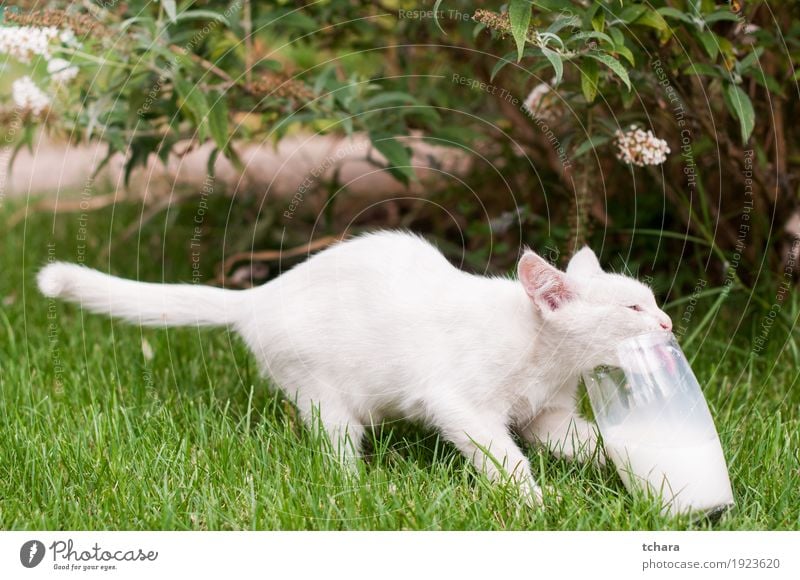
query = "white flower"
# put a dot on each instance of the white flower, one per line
(68, 37)
(28, 97)
(25, 42)
(541, 103)
(61, 71)
(534, 98)
(641, 148)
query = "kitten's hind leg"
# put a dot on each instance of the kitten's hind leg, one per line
(342, 429)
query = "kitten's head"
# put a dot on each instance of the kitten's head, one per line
(586, 311)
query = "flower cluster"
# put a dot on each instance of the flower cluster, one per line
(39, 35)
(28, 97)
(61, 71)
(641, 148)
(81, 24)
(499, 22)
(26, 42)
(280, 86)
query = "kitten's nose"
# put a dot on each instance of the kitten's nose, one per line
(666, 324)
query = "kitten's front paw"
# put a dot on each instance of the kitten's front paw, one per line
(552, 495)
(532, 494)
(536, 497)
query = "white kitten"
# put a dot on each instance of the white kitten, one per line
(384, 327)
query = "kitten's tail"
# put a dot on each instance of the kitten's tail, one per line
(140, 302)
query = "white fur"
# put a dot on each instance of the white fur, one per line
(384, 327)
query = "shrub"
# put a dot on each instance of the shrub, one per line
(662, 125)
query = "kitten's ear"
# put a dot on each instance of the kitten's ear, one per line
(584, 263)
(547, 286)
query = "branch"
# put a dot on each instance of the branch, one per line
(272, 255)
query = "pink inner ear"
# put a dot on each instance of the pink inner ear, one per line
(553, 292)
(547, 286)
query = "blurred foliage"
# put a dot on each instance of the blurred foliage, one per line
(715, 80)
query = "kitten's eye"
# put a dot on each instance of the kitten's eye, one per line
(636, 308)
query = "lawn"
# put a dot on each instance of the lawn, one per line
(107, 426)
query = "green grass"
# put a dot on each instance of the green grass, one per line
(95, 436)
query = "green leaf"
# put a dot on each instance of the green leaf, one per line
(751, 59)
(500, 64)
(626, 52)
(147, 23)
(397, 155)
(709, 41)
(590, 34)
(676, 14)
(742, 108)
(211, 162)
(589, 144)
(617, 36)
(328, 74)
(632, 13)
(702, 69)
(652, 19)
(170, 9)
(589, 77)
(555, 60)
(201, 15)
(612, 63)
(599, 19)
(720, 15)
(564, 21)
(519, 11)
(193, 101)
(218, 122)
(509, 59)
(389, 98)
